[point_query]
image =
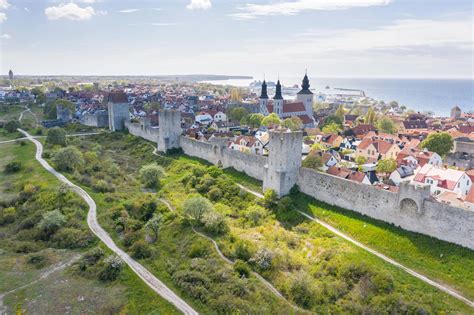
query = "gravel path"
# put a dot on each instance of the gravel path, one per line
(152, 281)
(423, 278)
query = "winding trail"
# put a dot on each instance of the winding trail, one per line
(153, 282)
(28, 110)
(227, 260)
(412, 272)
(37, 137)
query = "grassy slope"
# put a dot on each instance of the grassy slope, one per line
(136, 297)
(443, 261)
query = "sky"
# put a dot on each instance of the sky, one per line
(329, 38)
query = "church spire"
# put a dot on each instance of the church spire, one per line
(305, 85)
(264, 90)
(278, 91)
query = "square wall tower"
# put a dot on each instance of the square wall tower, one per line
(170, 130)
(284, 161)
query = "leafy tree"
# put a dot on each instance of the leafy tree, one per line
(152, 106)
(52, 221)
(39, 95)
(12, 126)
(13, 167)
(242, 268)
(340, 112)
(255, 214)
(140, 249)
(318, 147)
(440, 143)
(386, 125)
(302, 289)
(312, 161)
(196, 207)
(236, 114)
(235, 95)
(360, 160)
(263, 258)
(270, 198)
(153, 225)
(386, 166)
(393, 104)
(111, 268)
(253, 120)
(271, 120)
(332, 119)
(293, 123)
(151, 174)
(215, 222)
(332, 128)
(56, 136)
(68, 159)
(370, 117)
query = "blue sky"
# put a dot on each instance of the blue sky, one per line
(335, 38)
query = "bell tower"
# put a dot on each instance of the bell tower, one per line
(264, 99)
(278, 100)
(306, 96)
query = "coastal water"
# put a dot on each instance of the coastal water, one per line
(435, 95)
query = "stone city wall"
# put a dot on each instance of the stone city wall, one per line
(432, 218)
(145, 132)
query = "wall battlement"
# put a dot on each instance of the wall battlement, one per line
(412, 208)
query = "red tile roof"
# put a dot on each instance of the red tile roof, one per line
(293, 107)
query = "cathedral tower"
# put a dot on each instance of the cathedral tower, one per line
(264, 99)
(278, 100)
(306, 96)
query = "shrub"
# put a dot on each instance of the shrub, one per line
(7, 215)
(151, 174)
(68, 159)
(51, 221)
(302, 289)
(214, 171)
(242, 251)
(93, 256)
(198, 249)
(242, 268)
(215, 222)
(111, 268)
(195, 208)
(263, 259)
(72, 238)
(12, 125)
(56, 136)
(38, 260)
(103, 186)
(13, 167)
(215, 194)
(140, 249)
(255, 214)
(269, 198)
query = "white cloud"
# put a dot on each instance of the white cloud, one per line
(70, 11)
(3, 17)
(164, 24)
(5, 36)
(26, 9)
(199, 5)
(129, 10)
(251, 10)
(4, 4)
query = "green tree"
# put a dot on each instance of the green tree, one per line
(386, 166)
(56, 136)
(236, 114)
(195, 208)
(332, 119)
(332, 128)
(293, 123)
(12, 125)
(68, 159)
(255, 214)
(312, 161)
(440, 143)
(253, 120)
(271, 120)
(386, 125)
(360, 160)
(151, 174)
(152, 106)
(270, 198)
(153, 225)
(51, 221)
(370, 117)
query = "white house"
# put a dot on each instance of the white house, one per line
(444, 180)
(203, 119)
(402, 174)
(220, 116)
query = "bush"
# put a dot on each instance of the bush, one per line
(38, 260)
(302, 289)
(215, 222)
(269, 198)
(195, 208)
(242, 251)
(13, 167)
(263, 259)
(68, 159)
(151, 174)
(198, 250)
(255, 214)
(214, 171)
(111, 268)
(51, 221)
(140, 249)
(12, 125)
(103, 186)
(242, 268)
(7, 215)
(72, 238)
(56, 136)
(215, 194)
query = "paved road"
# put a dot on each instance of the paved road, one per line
(153, 282)
(378, 254)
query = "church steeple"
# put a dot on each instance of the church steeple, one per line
(264, 90)
(278, 95)
(305, 85)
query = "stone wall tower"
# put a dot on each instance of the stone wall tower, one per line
(284, 161)
(278, 100)
(119, 110)
(170, 130)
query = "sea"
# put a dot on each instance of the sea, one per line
(422, 95)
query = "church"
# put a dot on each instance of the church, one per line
(302, 108)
